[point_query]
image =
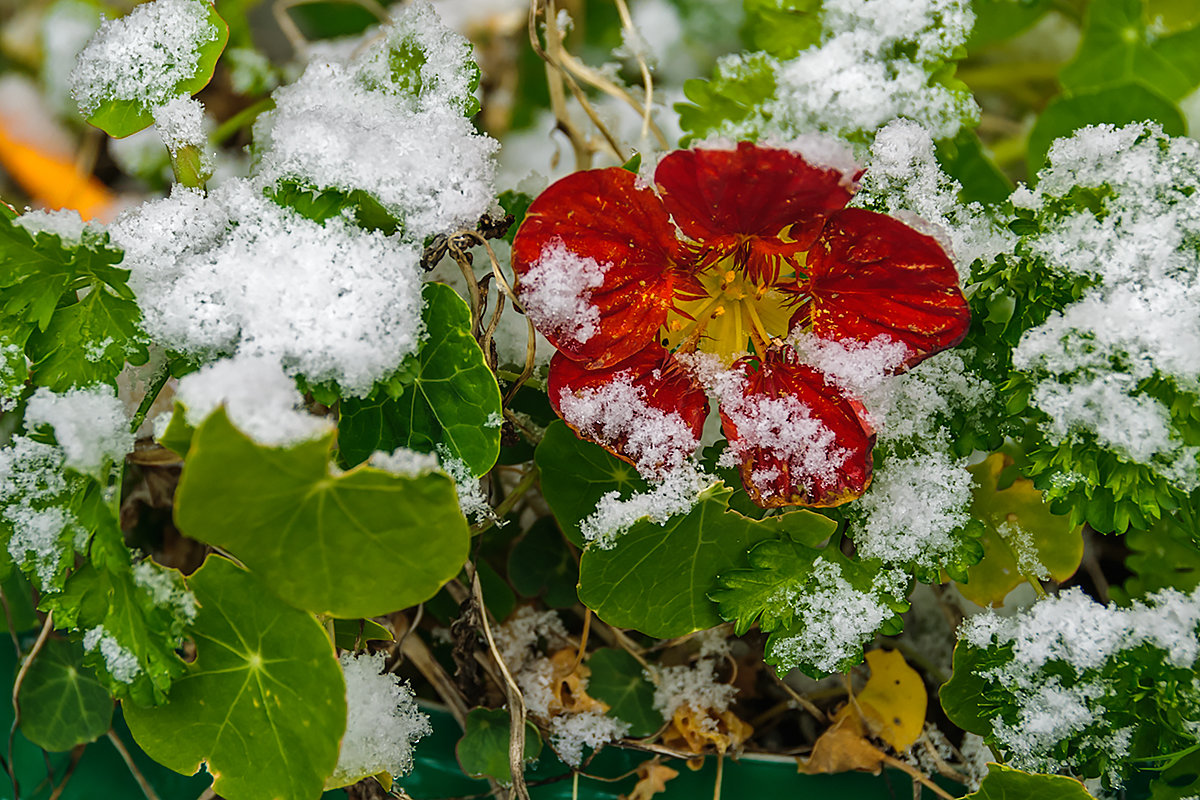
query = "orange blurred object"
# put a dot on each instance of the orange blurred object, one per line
(54, 182)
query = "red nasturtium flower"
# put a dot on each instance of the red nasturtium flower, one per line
(726, 254)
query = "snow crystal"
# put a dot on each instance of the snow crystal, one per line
(913, 406)
(903, 179)
(383, 722)
(166, 588)
(556, 292)
(65, 223)
(695, 686)
(1141, 314)
(871, 68)
(31, 480)
(517, 638)
(569, 733)
(657, 441)
(676, 492)
(471, 497)
(913, 509)
(143, 56)
(859, 368)
(89, 425)
(329, 128)
(838, 618)
(1024, 550)
(404, 462)
(261, 401)
(233, 271)
(120, 662)
(180, 123)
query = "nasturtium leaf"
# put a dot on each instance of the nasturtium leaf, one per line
(327, 543)
(1122, 44)
(781, 28)
(575, 474)
(351, 634)
(963, 159)
(483, 749)
(894, 699)
(121, 117)
(263, 706)
(19, 595)
(997, 20)
(1005, 783)
(1180, 779)
(656, 579)
(62, 703)
(498, 596)
(177, 437)
(1119, 105)
(963, 696)
(1016, 518)
(620, 681)
(540, 565)
(447, 397)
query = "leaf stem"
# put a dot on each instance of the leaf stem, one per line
(187, 162)
(241, 119)
(157, 382)
(144, 784)
(507, 504)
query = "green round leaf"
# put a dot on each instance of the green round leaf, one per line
(351, 634)
(656, 579)
(264, 703)
(124, 116)
(541, 565)
(483, 749)
(62, 703)
(1004, 783)
(355, 544)
(963, 695)
(620, 681)
(1118, 105)
(449, 396)
(575, 474)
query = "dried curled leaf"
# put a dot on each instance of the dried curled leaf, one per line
(694, 730)
(842, 748)
(652, 779)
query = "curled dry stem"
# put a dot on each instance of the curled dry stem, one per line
(554, 80)
(43, 635)
(516, 702)
(296, 37)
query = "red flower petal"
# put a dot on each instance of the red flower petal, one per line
(799, 440)
(646, 410)
(871, 275)
(729, 200)
(602, 215)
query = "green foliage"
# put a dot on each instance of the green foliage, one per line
(320, 205)
(781, 29)
(71, 340)
(353, 634)
(62, 703)
(1004, 783)
(963, 159)
(447, 396)
(997, 20)
(735, 95)
(515, 203)
(263, 705)
(122, 117)
(658, 577)
(1163, 557)
(1135, 694)
(1118, 104)
(620, 681)
(784, 568)
(575, 474)
(407, 76)
(540, 565)
(1123, 44)
(309, 533)
(483, 749)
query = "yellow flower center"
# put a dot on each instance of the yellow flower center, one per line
(737, 314)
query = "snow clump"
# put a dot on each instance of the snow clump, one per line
(383, 723)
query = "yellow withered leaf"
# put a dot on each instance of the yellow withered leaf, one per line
(652, 779)
(894, 700)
